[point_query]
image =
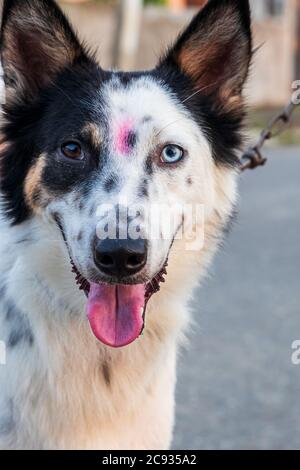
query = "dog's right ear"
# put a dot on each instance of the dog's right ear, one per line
(37, 43)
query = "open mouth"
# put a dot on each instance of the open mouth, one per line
(117, 312)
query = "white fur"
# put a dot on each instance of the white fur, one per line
(53, 394)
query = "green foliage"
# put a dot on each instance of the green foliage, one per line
(155, 2)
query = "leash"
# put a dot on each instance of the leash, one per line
(253, 157)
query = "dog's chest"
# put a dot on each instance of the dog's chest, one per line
(66, 391)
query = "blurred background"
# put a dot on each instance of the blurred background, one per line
(237, 385)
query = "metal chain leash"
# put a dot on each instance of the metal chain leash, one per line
(253, 157)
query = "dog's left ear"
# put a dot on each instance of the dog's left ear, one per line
(215, 50)
(37, 42)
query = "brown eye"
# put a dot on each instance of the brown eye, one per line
(72, 150)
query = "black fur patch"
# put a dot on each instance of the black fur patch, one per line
(7, 421)
(149, 166)
(106, 373)
(18, 335)
(111, 183)
(131, 139)
(2, 292)
(146, 119)
(143, 190)
(20, 328)
(231, 221)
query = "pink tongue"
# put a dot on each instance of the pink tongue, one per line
(115, 313)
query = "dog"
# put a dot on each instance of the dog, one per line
(93, 324)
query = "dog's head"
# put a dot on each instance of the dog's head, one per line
(95, 151)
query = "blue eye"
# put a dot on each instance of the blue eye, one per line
(172, 154)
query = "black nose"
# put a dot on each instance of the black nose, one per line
(120, 258)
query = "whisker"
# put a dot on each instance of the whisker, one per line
(200, 90)
(168, 125)
(19, 242)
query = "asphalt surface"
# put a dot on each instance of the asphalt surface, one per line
(237, 386)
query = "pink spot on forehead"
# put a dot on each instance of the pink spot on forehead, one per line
(122, 136)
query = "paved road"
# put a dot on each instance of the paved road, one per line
(237, 386)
